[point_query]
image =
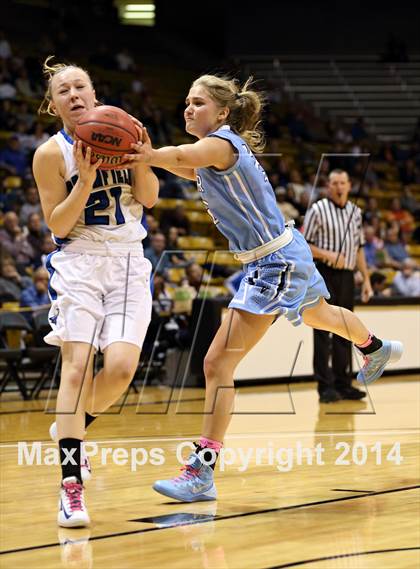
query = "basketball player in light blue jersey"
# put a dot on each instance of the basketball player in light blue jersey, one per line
(99, 278)
(281, 278)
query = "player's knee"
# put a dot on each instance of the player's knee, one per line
(212, 365)
(75, 377)
(121, 372)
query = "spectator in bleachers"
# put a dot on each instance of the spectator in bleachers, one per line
(23, 85)
(47, 247)
(158, 127)
(170, 186)
(137, 87)
(36, 294)
(31, 205)
(7, 89)
(14, 241)
(297, 127)
(287, 209)
(370, 210)
(124, 60)
(409, 202)
(152, 226)
(395, 248)
(35, 235)
(409, 173)
(195, 275)
(387, 153)
(407, 281)
(296, 184)
(7, 118)
(312, 186)
(157, 253)
(175, 218)
(177, 256)
(342, 134)
(13, 159)
(37, 137)
(400, 215)
(373, 246)
(162, 302)
(379, 286)
(282, 168)
(11, 282)
(24, 115)
(294, 200)
(5, 49)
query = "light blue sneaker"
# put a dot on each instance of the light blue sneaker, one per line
(195, 484)
(374, 363)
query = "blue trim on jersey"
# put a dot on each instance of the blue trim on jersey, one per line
(67, 136)
(51, 271)
(59, 241)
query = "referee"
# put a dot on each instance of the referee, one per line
(334, 231)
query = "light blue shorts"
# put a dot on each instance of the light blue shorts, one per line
(282, 283)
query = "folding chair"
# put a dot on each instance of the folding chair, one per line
(42, 356)
(12, 324)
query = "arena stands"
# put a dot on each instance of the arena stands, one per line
(322, 113)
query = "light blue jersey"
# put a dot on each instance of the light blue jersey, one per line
(241, 200)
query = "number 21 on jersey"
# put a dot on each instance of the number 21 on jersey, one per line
(99, 202)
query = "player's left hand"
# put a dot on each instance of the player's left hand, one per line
(366, 292)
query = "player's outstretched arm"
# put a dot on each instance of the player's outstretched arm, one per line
(204, 153)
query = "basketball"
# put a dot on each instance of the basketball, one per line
(109, 131)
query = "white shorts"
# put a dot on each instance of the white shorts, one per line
(99, 296)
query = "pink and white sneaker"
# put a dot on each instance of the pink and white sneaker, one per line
(72, 512)
(86, 469)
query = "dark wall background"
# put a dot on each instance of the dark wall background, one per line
(218, 28)
(324, 26)
(291, 26)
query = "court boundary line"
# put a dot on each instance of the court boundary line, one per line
(260, 382)
(105, 413)
(222, 518)
(287, 434)
(341, 556)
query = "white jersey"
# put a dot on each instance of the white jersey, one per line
(111, 214)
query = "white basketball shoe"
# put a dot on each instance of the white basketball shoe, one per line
(72, 512)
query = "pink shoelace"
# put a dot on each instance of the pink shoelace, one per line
(188, 474)
(74, 493)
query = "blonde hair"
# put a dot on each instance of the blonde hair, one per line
(245, 106)
(49, 72)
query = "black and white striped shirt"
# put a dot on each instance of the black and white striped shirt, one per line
(335, 228)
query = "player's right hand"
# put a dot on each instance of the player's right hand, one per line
(87, 170)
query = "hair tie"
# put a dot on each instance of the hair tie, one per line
(237, 96)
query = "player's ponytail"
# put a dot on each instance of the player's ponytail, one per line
(244, 103)
(51, 70)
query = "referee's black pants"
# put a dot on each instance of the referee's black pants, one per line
(327, 346)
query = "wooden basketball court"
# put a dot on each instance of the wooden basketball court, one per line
(331, 486)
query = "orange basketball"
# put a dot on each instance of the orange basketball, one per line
(109, 131)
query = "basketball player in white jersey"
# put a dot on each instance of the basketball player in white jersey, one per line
(99, 278)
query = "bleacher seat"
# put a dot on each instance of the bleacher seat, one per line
(195, 242)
